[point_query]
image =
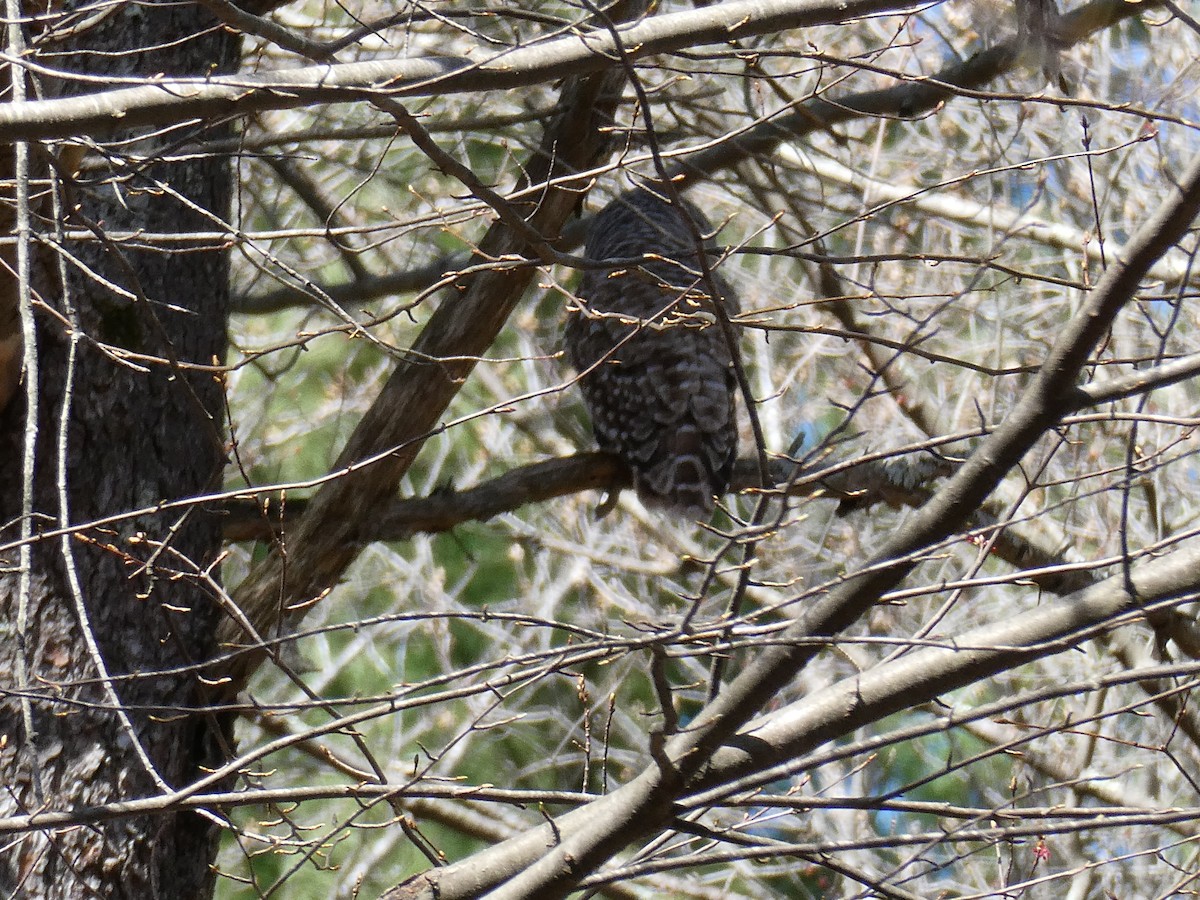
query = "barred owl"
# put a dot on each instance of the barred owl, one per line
(1040, 37)
(655, 367)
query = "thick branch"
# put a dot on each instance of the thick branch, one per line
(910, 98)
(646, 802)
(412, 401)
(179, 99)
(926, 673)
(923, 675)
(895, 480)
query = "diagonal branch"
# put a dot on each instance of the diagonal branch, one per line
(1050, 395)
(407, 411)
(917, 95)
(582, 841)
(924, 674)
(910, 98)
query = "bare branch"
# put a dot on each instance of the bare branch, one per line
(176, 100)
(908, 99)
(407, 410)
(644, 803)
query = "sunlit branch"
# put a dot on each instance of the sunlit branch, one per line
(171, 100)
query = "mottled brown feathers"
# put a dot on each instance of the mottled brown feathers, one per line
(656, 369)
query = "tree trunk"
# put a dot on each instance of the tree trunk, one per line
(136, 434)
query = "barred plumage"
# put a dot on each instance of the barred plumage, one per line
(1039, 36)
(656, 370)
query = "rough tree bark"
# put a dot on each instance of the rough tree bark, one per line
(134, 436)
